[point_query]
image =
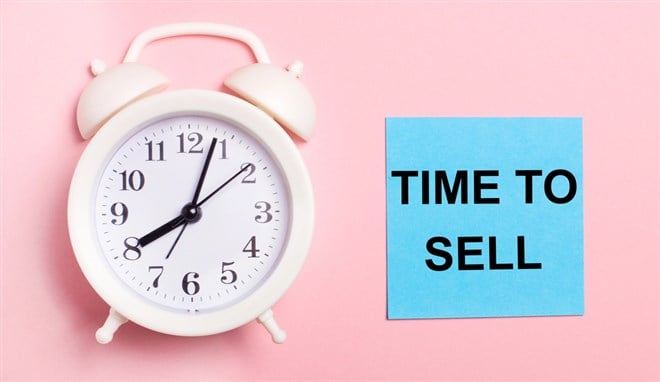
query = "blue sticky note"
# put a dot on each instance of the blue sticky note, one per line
(484, 217)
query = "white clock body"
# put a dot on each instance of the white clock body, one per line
(210, 275)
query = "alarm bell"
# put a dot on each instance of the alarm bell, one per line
(274, 90)
(279, 93)
(114, 89)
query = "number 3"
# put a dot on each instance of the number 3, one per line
(264, 216)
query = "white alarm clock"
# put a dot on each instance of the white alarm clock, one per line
(191, 211)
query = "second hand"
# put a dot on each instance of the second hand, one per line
(176, 240)
(200, 203)
(223, 185)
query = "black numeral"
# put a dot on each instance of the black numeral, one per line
(251, 247)
(223, 149)
(150, 151)
(195, 139)
(228, 275)
(188, 284)
(157, 268)
(132, 251)
(249, 178)
(119, 209)
(133, 181)
(264, 215)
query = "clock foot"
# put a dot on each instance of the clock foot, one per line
(268, 321)
(112, 323)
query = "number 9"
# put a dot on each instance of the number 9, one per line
(119, 209)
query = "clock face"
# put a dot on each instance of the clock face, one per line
(184, 256)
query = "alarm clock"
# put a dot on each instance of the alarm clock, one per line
(191, 211)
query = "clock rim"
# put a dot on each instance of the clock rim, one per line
(82, 227)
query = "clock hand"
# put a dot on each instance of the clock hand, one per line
(176, 240)
(189, 213)
(162, 230)
(222, 185)
(200, 182)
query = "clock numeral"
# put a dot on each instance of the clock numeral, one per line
(150, 151)
(251, 248)
(132, 251)
(133, 181)
(187, 284)
(156, 267)
(249, 178)
(194, 138)
(119, 209)
(229, 276)
(264, 215)
(223, 148)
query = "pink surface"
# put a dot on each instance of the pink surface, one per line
(363, 62)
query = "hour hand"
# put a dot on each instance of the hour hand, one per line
(190, 212)
(162, 230)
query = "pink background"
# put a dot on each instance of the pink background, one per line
(363, 62)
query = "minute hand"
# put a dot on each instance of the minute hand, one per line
(200, 182)
(222, 185)
(182, 218)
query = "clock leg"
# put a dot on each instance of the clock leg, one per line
(268, 321)
(105, 333)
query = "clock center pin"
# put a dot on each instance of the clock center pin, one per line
(191, 213)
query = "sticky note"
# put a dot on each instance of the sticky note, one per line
(484, 217)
